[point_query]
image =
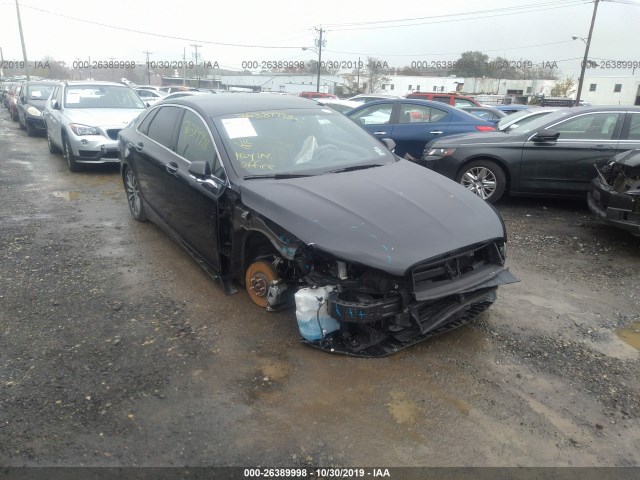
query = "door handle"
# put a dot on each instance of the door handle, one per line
(437, 132)
(138, 146)
(602, 148)
(172, 168)
(379, 133)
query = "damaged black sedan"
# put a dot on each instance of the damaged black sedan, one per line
(615, 193)
(301, 207)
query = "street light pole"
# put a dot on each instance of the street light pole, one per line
(319, 59)
(586, 52)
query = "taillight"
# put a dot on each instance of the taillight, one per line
(485, 128)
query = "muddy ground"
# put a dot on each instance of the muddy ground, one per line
(117, 349)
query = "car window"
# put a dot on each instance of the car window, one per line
(598, 126)
(374, 114)
(410, 113)
(634, 128)
(162, 126)
(58, 95)
(194, 140)
(484, 114)
(441, 99)
(143, 127)
(463, 102)
(39, 92)
(300, 141)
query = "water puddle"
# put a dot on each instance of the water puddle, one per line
(276, 370)
(630, 335)
(71, 195)
(404, 410)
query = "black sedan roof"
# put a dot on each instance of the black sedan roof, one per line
(228, 103)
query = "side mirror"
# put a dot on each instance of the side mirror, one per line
(389, 143)
(199, 169)
(55, 105)
(361, 121)
(546, 135)
(22, 99)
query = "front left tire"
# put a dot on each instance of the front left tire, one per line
(259, 276)
(68, 155)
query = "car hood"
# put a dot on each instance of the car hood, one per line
(97, 117)
(474, 139)
(630, 158)
(390, 217)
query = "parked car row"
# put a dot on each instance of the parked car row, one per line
(551, 155)
(545, 151)
(298, 205)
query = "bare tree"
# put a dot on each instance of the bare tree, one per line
(376, 73)
(563, 88)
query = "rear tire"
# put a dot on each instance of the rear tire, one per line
(30, 131)
(484, 178)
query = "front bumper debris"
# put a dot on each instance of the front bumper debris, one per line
(380, 327)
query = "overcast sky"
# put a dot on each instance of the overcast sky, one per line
(396, 32)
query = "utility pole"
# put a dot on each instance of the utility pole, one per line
(184, 66)
(358, 83)
(113, 75)
(319, 57)
(197, 73)
(24, 49)
(148, 68)
(586, 52)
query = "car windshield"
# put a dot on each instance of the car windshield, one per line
(39, 92)
(298, 142)
(540, 121)
(101, 96)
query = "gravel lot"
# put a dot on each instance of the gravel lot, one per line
(117, 349)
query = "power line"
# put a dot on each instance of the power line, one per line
(449, 53)
(171, 37)
(430, 17)
(576, 3)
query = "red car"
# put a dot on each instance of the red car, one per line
(316, 95)
(12, 97)
(448, 98)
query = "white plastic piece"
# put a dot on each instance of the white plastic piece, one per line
(313, 325)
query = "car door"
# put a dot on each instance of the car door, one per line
(52, 115)
(153, 148)
(566, 165)
(193, 197)
(377, 119)
(417, 125)
(630, 138)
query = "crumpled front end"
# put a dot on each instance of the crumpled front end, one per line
(615, 194)
(370, 313)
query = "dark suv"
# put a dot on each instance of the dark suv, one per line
(30, 104)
